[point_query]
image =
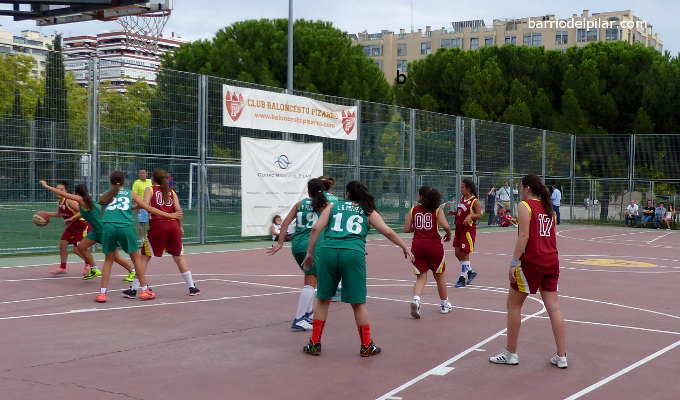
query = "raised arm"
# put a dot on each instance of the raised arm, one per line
(62, 193)
(408, 222)
(284, 228)
(376, 221)
(140, 202)
(318, 227)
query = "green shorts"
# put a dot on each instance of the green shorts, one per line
(299, 258)
(95, 236)
(123, 236)
(347, 265)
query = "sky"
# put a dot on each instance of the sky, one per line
(197, 19)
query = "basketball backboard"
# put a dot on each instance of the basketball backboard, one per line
(67, 11)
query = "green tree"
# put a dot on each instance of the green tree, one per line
(642, 123)
(518, 114)
(255, 51)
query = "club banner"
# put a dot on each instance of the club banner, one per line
(270, 111)
(274, 175)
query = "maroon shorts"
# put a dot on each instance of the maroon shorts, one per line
(465, 239)
(429, 255)
(529, 278)
(163, 236)
(76, 232)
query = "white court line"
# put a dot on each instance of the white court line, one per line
(660, 237)
(144, 305)
(624, 371)
(447, 363)
(621, 305)
(620, 234)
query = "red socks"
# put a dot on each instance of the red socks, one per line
(62, 265)
(317, 330)
(365, 334)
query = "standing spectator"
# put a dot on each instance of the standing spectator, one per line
(171, 182)
(504, 195)
(674, 214)
(490, 205)
(556, 198)
(632, 213)
(648, 213)
(659, 215)
(138, 188)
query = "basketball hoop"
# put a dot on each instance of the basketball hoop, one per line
(143, 31)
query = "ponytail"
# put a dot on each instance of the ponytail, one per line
(358, 193)
(539, 190)
(81, 190)
(116, 179)
(160, 177)
(431, 199)
(315, 190)
(328, 182)
(470, 185)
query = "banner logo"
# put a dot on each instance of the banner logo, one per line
(283, 162)
(348, 121)
(235, 105)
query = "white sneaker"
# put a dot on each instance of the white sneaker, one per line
(445, 307)
(301, 325)
(559, 362)
(415, 309)
(505, 357)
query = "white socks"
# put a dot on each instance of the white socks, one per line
(102, 290)
(135, 284)
(416, 298)
(464, 268)
(305, 301)
(188, 279)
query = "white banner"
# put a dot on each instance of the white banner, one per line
(270, 111)
(274, 175)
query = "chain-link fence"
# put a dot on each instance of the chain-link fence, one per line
(57, 129)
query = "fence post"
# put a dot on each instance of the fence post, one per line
(572, 179)
(512, 168)
(543, 154)
(93, 123)
(460, 149)
(357, 144)
(631, 168)
(473, 149)
(202, 150)
(31, 158)
(412, 158)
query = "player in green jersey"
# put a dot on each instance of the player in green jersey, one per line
(342, 255)
(91, 212)
(119, 231)
(305, 213)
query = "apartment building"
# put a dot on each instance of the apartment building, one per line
(29, 43)
(393, 51)
(120, 64)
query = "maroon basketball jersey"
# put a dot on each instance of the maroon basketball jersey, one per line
(541, 248)
(65, 211)
(158, 202)
(464, 209)
(425, 223)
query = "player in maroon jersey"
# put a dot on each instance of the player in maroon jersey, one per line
(467, 213)
(76, 229)
(535, 266)
(425, 219)
(165, 234)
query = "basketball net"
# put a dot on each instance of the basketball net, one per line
(143, 31)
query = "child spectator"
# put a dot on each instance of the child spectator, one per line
(275, 229)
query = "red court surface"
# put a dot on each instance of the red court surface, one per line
(619, 293)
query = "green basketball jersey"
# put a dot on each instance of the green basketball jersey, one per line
(347, 227)
(119, 210)
(93, 217)
(330, 197)
(305, 219)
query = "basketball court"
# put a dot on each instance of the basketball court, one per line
(617, 291)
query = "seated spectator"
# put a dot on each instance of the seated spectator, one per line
(505, 218)
(276, 228)
(648, 213)
(632, 213)
(659, 215)
(667, 218)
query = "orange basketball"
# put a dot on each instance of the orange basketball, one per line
(41, 218)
